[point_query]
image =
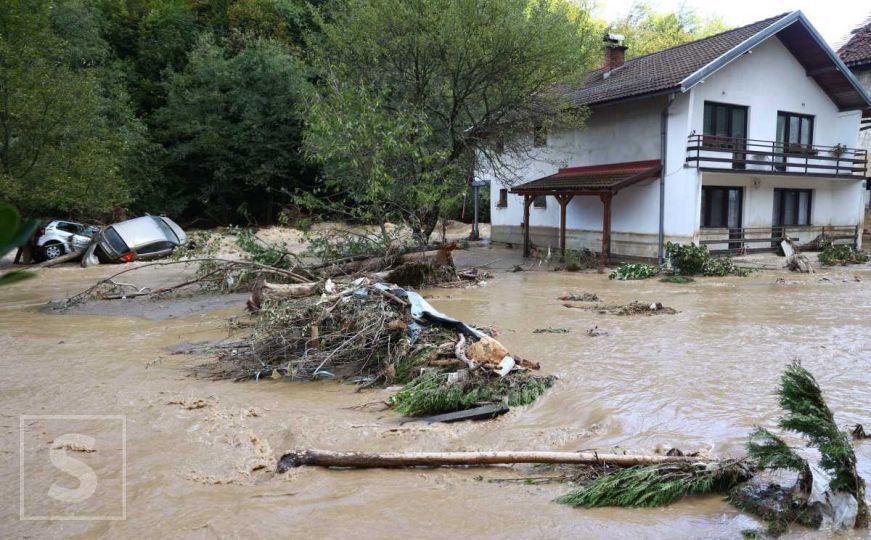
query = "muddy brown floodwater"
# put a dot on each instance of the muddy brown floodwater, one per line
(200, 454)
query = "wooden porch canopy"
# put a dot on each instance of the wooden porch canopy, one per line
(603, 181)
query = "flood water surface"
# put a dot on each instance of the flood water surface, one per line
(200, 454)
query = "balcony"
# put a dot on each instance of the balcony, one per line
(771, 157)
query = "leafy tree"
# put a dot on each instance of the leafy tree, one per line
(412, 91)
(231, 129)
(58, 152)
(648, 30)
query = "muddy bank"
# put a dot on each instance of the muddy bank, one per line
(199, 453)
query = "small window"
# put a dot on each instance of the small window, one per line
(503, 198)
(539, 136)
(539, 202)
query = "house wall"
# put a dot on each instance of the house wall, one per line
(767, 80)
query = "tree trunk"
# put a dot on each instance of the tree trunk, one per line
(362, 460)
(71, 256)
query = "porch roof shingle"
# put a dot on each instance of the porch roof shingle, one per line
(596, 178)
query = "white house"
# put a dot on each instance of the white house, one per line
(733, 141)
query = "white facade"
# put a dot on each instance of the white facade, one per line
(766, 80)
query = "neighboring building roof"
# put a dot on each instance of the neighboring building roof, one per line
(857, 50)
(679, 68)
(597, 178)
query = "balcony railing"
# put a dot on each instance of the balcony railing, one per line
(710, 151)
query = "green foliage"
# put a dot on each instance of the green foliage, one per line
(231, 129)
(691, 260)
(657, 485)
(13, 233)
(431, 393)
(770, 451)
(337, 245)
(806, 413)
(576, 259)
(677, 279)
(408, 89)
(273, 254)
(634, 271)
(648, 31)
(60, 149)
(839, 254)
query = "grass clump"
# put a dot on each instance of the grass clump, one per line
(841, 255)
(657, 485)
(576, 260)
(631, 271)
(677, 279)
(432, 393)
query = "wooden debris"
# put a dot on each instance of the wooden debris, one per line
(484, 412)
(364, 460)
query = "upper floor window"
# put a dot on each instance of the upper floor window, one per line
(503, 198)
(539, 136)
(795, 132)
(724, 121)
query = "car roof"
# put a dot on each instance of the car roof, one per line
(139, 231)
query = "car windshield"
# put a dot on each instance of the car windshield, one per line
(167, 231)
(115, 240)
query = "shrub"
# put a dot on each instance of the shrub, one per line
(690, 260)
(634, 271)
(576, 260)
(843, 255)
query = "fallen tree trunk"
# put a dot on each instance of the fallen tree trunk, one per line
(363, 460)
(71, 256)
(438, 257)
(296, 290)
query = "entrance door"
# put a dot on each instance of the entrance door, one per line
(726, 127)
(722, 209)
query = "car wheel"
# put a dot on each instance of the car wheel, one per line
(52, 250)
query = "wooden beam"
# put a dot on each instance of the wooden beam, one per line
(606, 227)
(563, 201)
(527, 201)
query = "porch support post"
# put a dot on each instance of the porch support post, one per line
(527, 201)
(606, 227)
(563, 201)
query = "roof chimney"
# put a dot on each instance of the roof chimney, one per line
(615, 51)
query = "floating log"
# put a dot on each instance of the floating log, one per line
(71, 256)
(364, 460)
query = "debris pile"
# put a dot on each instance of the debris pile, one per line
(372, 333)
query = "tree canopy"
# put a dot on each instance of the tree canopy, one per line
(648, 30)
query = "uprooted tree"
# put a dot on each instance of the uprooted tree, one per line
(410, 94)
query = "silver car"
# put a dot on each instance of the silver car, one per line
(147, 237)
(59, 237)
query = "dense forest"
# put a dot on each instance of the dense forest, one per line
(228, 111)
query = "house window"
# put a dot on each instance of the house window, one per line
(503, 198)
(721, 207)
(792, 207)
(539, 202)
(795, 135)
(725, 126)
(539, 136)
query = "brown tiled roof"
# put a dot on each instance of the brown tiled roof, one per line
(611, 177)
(662, 70)
(858, 49)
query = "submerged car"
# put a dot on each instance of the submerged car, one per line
(143, 238)
(59, 237)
